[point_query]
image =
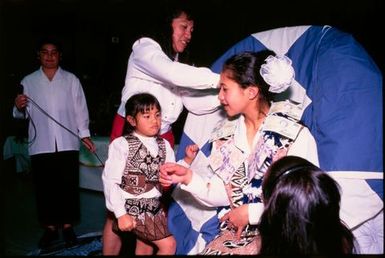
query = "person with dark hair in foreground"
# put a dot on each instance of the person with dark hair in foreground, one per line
(301, 215)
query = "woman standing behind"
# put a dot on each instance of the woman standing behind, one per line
(155, 67)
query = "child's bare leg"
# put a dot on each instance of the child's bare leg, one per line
(143, 248)
(111, 241)
(166, 246)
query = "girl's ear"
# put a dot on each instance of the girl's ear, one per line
(131, 120)
(253, 92)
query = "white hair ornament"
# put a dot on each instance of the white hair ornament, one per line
(278, 73)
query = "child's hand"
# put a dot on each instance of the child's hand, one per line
(165, 178)
(171, 173)
(191, 152)
(126, 222)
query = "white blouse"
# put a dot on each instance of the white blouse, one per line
(150, 70)
(63, 99)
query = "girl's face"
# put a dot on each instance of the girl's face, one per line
(182, 30)
(147, 123)
(233, 98)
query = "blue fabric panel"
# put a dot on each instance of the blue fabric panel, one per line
(210, 229)
(345, 116)
(206, 149)
(377, 185)
(185, 140)
(180, 226)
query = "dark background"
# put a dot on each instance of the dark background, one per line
(97, 37)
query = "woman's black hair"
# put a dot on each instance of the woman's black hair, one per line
(244, 69)
(140, 103)
(161, 31)
(301, 216)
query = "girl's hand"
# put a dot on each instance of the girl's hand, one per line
(174, 173)
(126, 222)
(165, 179)
(237, 218)
(191, 152)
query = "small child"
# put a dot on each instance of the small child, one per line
(131, 176)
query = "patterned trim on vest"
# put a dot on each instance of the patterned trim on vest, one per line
(141, 172)
(243, 188)
(277, 133)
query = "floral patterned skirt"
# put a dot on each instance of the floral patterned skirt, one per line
(151, 221)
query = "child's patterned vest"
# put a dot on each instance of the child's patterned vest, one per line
(141, 173)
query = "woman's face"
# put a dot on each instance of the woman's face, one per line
(233, 98)
(182, 30)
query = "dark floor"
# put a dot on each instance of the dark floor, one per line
(20, 229)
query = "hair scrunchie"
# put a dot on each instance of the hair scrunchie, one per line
(278, 73)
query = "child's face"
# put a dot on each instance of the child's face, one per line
(147, 123)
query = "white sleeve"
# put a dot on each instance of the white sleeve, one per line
(170, 154)
(201, 102)
(149, 58)
(112, 176)
(183, 163)
(305, 147)
(211, 193)
(81, 110)
(255, 212)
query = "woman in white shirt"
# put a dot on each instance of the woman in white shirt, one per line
(155, 67)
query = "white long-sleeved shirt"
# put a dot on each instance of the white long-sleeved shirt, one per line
(113, 171)
(212, 192)
(150, 70)
(63, 99)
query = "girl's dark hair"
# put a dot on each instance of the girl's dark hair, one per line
(161, 31)
(140, 103)
(301, 216)
(244, 69)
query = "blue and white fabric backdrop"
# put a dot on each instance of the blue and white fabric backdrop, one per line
(340, 88)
